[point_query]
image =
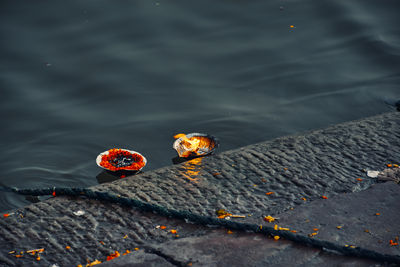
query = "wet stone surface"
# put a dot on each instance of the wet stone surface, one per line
(324, 162)
(368, 219)
(218, 248)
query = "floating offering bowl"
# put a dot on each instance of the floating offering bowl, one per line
(117, 159)
(194, 144)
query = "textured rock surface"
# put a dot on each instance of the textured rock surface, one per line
(218, 248)
(368, 219)
(324, 162)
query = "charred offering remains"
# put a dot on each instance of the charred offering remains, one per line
(194, 145)
(117, 159)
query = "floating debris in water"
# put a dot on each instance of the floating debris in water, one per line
(194, 144)
(117, 159)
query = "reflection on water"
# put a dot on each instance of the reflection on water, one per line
(103, 74)
(191, 170)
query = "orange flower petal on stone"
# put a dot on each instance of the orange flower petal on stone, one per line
(269, 193)
(324, 197)
(113, 255)
(269, 218)
(163, 227)
(95, 262)
(173, 231)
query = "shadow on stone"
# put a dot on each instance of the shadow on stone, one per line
(106, 176)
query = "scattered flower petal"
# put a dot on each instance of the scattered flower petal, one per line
(95, 262)
(392, 243)
(269, 218)
(113, 255)
(127, 252)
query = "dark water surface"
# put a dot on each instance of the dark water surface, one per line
(80, 77)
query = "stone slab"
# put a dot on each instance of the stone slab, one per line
(217, 248)
(323, 162)
(368, 219)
